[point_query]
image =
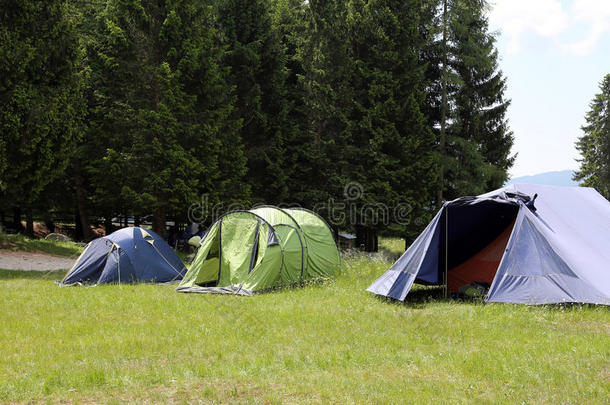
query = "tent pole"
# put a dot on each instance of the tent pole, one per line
(445, 276)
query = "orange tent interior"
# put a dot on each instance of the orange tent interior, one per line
(482, 266)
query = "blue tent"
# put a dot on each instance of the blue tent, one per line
(533, 244)
(129, 255)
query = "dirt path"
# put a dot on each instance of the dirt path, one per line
(35, 261)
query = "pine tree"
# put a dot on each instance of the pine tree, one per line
(480, 106)
(367, 93)
(326, 80)
(594, 145)
(71, 190)
(257, 64)
(163, 111)
(475, 147)
(40, 102)
(400, 142)
(302, 154)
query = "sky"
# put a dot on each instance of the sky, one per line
(554, 54)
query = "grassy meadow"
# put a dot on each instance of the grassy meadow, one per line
(327, 342)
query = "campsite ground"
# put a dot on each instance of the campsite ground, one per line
(327, 342)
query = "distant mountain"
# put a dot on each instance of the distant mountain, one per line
(560, 178)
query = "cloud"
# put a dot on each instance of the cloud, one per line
(595, 15)
(517, 19)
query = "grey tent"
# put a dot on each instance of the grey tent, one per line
(533, 244)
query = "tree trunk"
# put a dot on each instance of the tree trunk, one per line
(78, 228)
(17, 220)
(81, 202)
(50, 225)
(158, 222)
(335, 231)
(442, 142)
(29, 225)
(367, 239)
(108, 223)
(48, 222)
(373, 240)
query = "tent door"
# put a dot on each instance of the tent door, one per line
(219, 250)
(481, 267)
(254, 255)
(472, 243)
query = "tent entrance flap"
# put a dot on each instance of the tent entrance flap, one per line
(476, 235)
(481, 267)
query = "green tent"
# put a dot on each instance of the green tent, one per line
(266, 247)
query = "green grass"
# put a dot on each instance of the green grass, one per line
(393, 246)
(20, 242)
(325, 343)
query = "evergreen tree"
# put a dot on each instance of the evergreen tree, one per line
(594, 145)
(433, 56)
(70, 192)
(480, 106)
(256, 58)
(368, 93)
(326, 80)
(302, 155)
(294, 98)
(475, 150)
(40, 102)
(163, 111)
(392, 126)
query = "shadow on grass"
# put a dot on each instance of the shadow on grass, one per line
(420, 296)
(426, 294)
(31, 275)
(317, 283)
(561, 306)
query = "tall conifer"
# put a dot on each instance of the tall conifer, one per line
(594, 144)
(163, 110)
(40, 101)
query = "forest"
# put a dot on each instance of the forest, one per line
(137, 109)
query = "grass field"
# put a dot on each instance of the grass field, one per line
(327, 342)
